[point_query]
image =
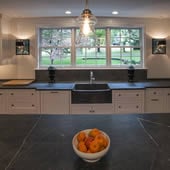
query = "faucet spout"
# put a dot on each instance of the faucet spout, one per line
(92, 78)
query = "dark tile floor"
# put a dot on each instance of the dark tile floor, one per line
(43, 142)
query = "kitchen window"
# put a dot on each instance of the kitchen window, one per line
(112, 47)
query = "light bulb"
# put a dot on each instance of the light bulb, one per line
(86, 27)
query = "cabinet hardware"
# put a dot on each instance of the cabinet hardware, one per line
(137, 107)
(12, 105)
(155, 100)
(119, 94)
(154, 92)
(137, 94)
(0, 93)
(168, 94)
(54, 92)
(33, 105)
(92, 111)
(32, 94)
(119, 107)
(12, 93)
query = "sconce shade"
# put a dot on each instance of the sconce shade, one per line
(19, 43)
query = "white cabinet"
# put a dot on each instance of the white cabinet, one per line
(55, 102)
(157, 100)
(23, 101)
(91, 108)
(128, 101)
(167, 96)
(3, 96)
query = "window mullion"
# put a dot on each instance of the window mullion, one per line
(108, 48)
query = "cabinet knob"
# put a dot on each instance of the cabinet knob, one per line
(12, 105)
(0, 93)
(137, 106)
(154, 92)
(119, 107)
(119, 94)
(33, 105)
(32, 94)
(137, 94)
(12, 93)
(168, 94)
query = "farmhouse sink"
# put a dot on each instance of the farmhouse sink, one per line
(91, 87)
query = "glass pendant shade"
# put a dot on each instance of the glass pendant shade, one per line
(87, 22)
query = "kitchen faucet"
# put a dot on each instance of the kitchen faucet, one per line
(92, 78)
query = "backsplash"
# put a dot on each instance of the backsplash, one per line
(83, 75)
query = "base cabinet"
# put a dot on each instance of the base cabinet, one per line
(91, 109)
(157, 100)
(55, 102)
(23, 101)
(3, 102)
(128, 101)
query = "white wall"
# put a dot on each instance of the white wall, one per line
(158, 65)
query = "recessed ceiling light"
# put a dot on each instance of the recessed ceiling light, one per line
(115, 12)
(68, 12)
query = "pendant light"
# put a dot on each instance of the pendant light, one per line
(87, 22)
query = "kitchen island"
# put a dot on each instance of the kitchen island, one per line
(44, 142)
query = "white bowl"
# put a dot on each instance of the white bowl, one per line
(90, 157)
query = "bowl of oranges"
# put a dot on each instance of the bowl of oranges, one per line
(91, 144)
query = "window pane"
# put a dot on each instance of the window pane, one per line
(55, 46)
(90, 56)
(128, 43)
(55, 56)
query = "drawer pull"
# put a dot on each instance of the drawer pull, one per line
(137, 94)
(155, 100)
(168, 94)
(12, 93)
(92, 111)
(119, 107)
(137, 107)
(0, 93)
(54, 92)
(33, 105)
(119, 94)
(12, 105)
(154, 92)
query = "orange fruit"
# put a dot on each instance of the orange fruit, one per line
(82, 147)
(94, 146)
(94, 132)
(100, 139)
(81, 136)
(88, 140)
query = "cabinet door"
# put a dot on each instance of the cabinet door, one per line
(167, 95)
(81, 109)
(91, 109)
(155, 100)
(55, 102)
(3, 102)
(23, 101)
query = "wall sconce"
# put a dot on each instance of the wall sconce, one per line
(22, 47)
(158, 46)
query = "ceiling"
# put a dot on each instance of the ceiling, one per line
(52, 8)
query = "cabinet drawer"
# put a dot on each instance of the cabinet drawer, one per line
(129, 96)
(129, 108)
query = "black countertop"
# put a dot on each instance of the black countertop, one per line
(112, 85)
(43, 142)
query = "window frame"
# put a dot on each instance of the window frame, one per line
(108, 49)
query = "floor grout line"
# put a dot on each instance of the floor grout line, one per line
(150, 136)
(23, 143)
(157, 123)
